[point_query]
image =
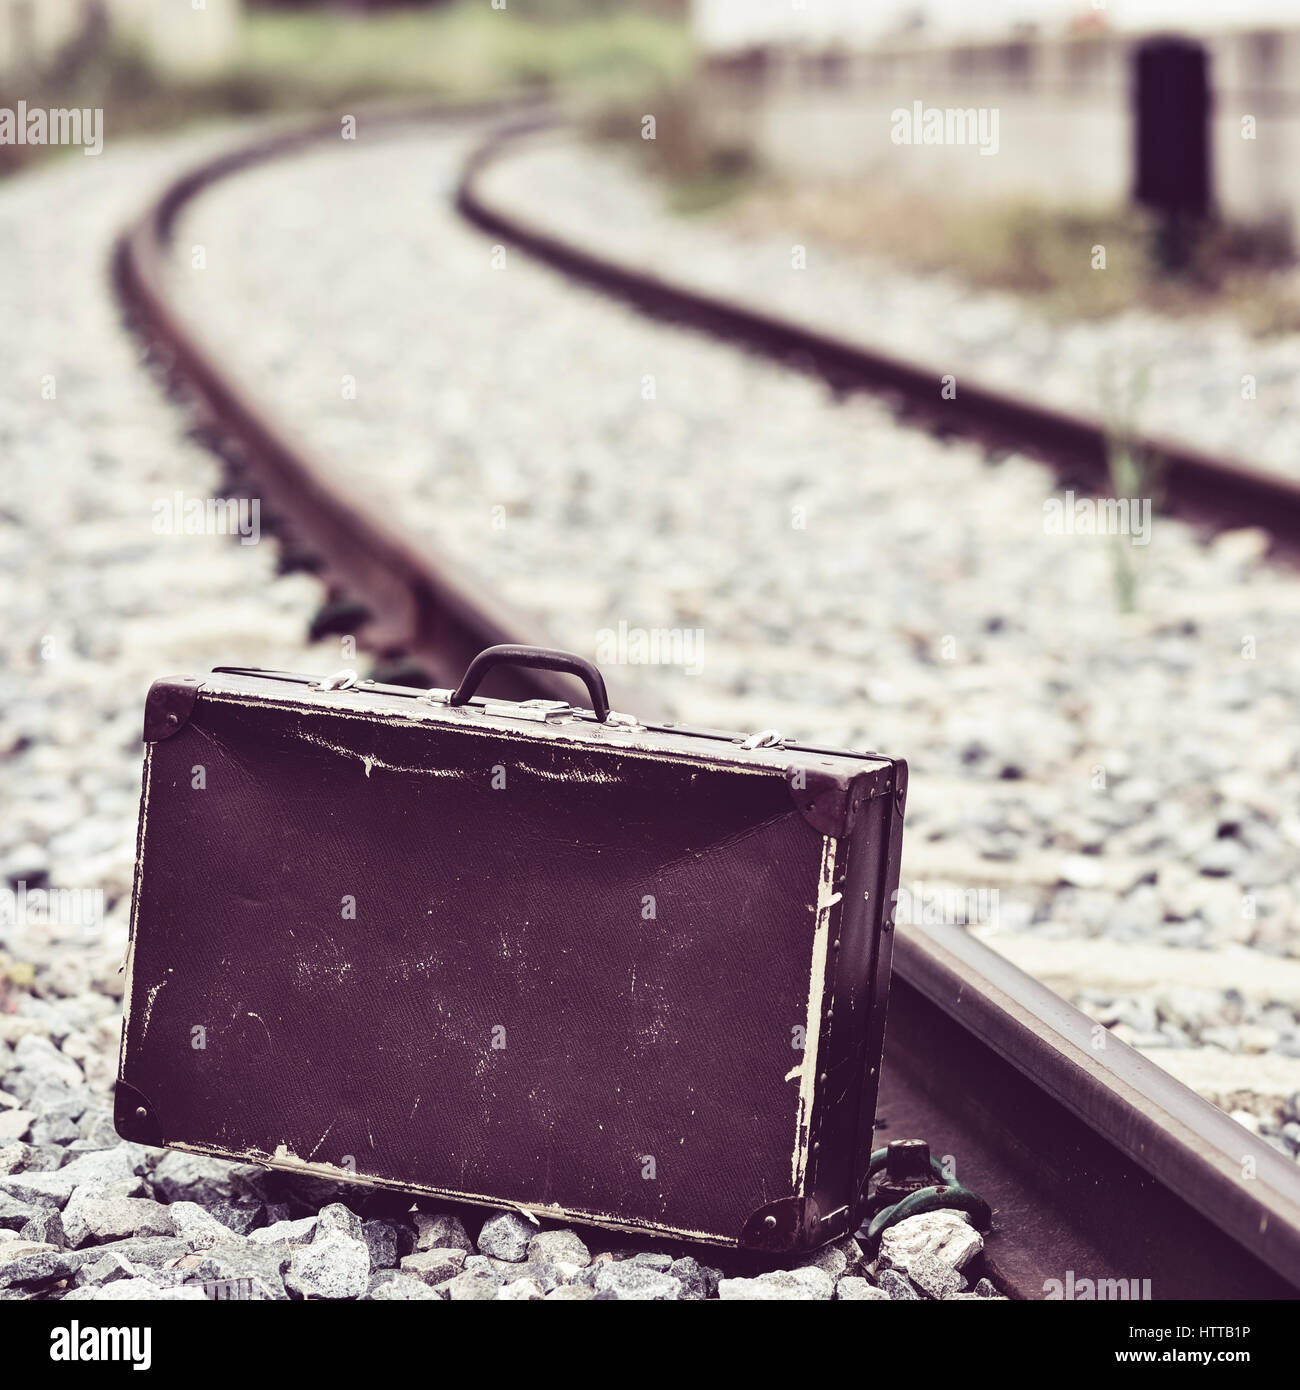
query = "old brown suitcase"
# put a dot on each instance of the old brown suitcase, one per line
(517, 954)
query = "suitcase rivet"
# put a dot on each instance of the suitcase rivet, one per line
(769, 1223)
(173, 719)
(835, 945)
(822, 1077)
(140, 1112)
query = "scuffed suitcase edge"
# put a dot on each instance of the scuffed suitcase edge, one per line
(542, 1210)
(878, 1000)
(128, 962)
(849, 1052)
(712, 747)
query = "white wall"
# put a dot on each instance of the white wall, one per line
(1065, 125)
(727, 25)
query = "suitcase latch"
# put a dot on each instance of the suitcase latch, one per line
(544, 711)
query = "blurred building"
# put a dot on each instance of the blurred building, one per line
(824, 87)
(728, 25)
(182, 36)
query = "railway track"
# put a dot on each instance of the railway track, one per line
(1204, 487)
(1093, 1159)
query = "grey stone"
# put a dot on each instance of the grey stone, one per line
(653, 1259)
(95, 1219)
(381, 1240)
(549, 1274)
(98, 1167)
(240, 1214)
(151, 1252)
(196, 1227)
(896, 1286)
(297, 1232)
(337, 1217)
(393, 1287)
(14, 1158)
(44, 1063)
(15, 1124)
(105, 1270)
(572, 1293)
(558, 1247)
(25, 1187)
(16, 1248)
(54, 1131)
(934, 1277)
(473, 1286)
(698, 1281)
(15, 1213)
(263, 1264)
(141, 1290)
(520, 1291)
(853, 1288)
(779, 1285)
(831, 1260)
(440, 1230)
(946, 1234)
(334, 1265)
(44, 1267)
(186, 1177)
(986, 1288)
(46, 1225)
(434, 1266)
(627, 1281)
(587, 1276)
(96, 1128)
(505, 1236)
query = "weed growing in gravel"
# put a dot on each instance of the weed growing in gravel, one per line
(1131, 468)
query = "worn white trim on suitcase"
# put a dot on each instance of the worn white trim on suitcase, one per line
(826, 899)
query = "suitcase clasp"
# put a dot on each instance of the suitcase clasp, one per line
(544, 711)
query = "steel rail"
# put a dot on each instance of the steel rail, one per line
(1205, 487)
(1098, 1165)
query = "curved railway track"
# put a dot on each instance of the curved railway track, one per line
(1093, 1159)
(1202, 486)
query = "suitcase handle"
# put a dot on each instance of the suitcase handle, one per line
(539, 658)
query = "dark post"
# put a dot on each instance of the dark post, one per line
(1171, 104)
